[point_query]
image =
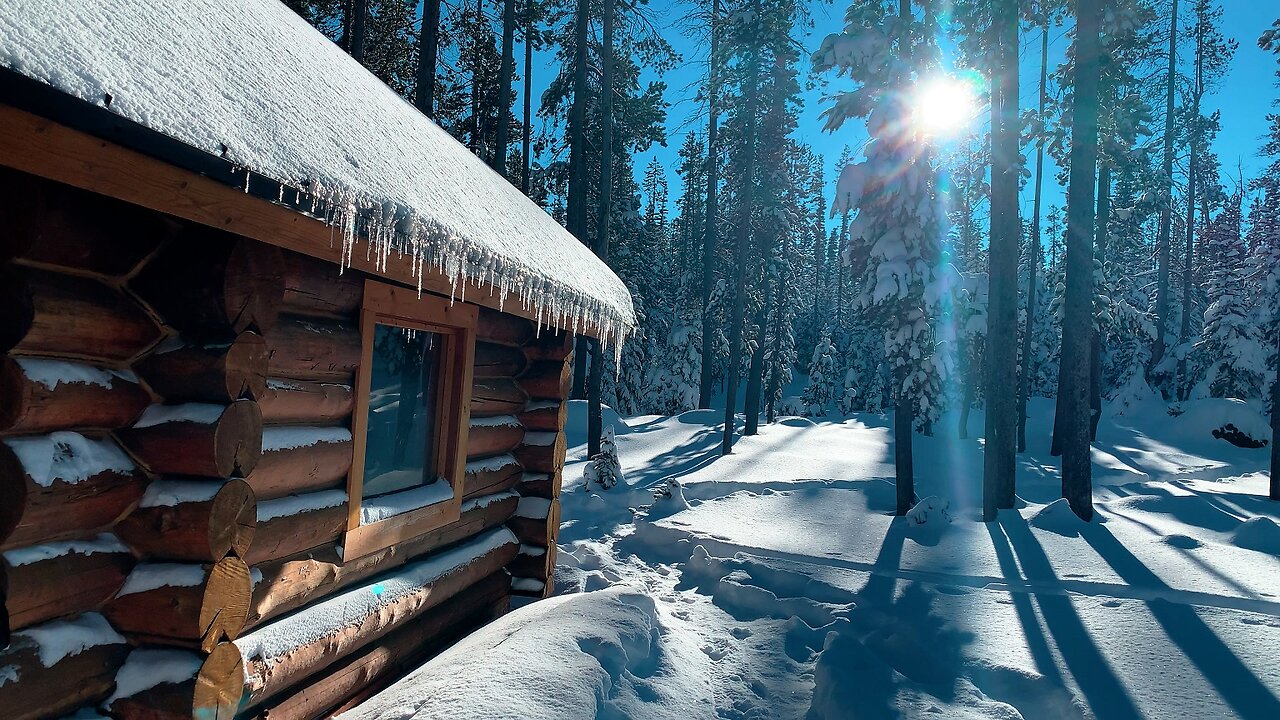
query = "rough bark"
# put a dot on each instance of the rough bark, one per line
(506, 75)
(709, 237)
(1164, 232)
(1077, 324)
(1033, 266)
(428, 54)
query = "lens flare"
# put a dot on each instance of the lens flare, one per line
(943, 105)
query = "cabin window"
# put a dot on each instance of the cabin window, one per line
(412, 412)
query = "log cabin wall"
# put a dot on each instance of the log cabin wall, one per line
(175, 413)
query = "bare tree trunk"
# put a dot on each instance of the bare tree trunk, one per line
(1033, 266)
(746, 202)
(904, 473)
(1001, 449)
(526, 151)
(1096, 349)
(1193, 176)
(506, 75)
(594, 422)
(712, 212)
(1164, 233)
(1275, 422)
(360, 13)
(1077, 324)
(577, 200)
(428, 53)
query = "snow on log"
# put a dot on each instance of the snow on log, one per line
(543, 415)
(361, 675)
(53, 668)
(184, 605)
(490, 475)
(542, 452)
(533, 561)
(295, 523)
(317, 287)
(40, 395)
(55, 225)
(537, 521)
(15, 298)
(212, 285)
(298, 459)
(287, 584)
(192, 520)
(496, 396)
(299, 401)
(198, 439)
(495, 435)
(547, 379)
(283, 653)
(78, 317)
(493, 360)
(214, 373)
(311, 348)
(169, 684)
(62, 485)
(63, 578)
(502, 328)
(543, 485)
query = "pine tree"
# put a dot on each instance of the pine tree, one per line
(1231, 345)
(816, 398)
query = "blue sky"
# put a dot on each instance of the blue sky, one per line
(1244, 97)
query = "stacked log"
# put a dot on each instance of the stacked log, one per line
(170, 684)
(60, 579)
(51, 669)
(541, 453)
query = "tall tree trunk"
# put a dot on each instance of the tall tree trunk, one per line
(712, 211)
(526, 151)
(746, 200)
(1275, 422)
(1077, 324)
(428, 53)
(1033, 264)
(594, 421)
(904, 418)
(775, 382)
(1096, 349)
(1193, 177)
(506, 73)
(1001, 449)
(755, 379)
(359, 13)
(576, 210)
(1163, 235)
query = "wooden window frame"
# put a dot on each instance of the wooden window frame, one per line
(404, 307)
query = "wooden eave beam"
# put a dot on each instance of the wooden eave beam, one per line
(45, 148)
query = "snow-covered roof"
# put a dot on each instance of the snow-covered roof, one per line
(250, 81)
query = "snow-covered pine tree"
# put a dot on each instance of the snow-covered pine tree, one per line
(1232, 354)
(604, 469)
(895, 237)
(816, 398)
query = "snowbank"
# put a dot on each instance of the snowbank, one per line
(604, 654)
(251, 82)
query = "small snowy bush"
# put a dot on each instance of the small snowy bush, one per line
(604, 469)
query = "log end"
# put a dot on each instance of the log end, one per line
(225, 607)
(219, 684)
(238, 438)
(247, 366)
(233, 519)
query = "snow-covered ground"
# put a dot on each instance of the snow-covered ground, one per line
(775, 582)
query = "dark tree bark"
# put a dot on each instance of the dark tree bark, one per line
(594, 422)
(1033, 266)
(1101, 228)
(1166, 205)
(1275, 423)
(1077, 324)
(904, 473)
(1000, 453)
(577, 200)
(360, 13)
(1193, 176)
(746, 207)
(709, 241)
(428, 52)
(506, 75)
(526, 150)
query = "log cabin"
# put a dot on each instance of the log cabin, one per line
(283, 369)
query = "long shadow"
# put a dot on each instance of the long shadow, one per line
(1234, 681)
(1106, 695)
(1036, 641)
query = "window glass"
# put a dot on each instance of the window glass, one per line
(403, 410)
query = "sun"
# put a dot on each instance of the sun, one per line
(943, 105)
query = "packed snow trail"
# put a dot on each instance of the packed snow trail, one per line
(801, 596)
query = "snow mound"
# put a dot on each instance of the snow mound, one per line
(1260, 534)
(1058, 517)
(931, 509)
(1210, 417)
(575, 422)
(604, 654)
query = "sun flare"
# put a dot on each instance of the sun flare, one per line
(943, 105)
